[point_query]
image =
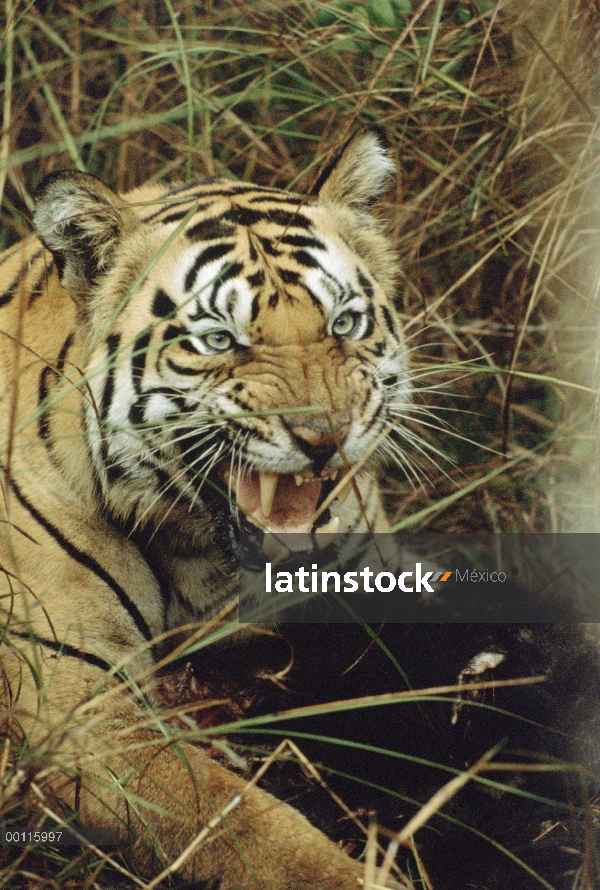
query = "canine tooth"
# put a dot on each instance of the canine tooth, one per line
(299, 479)
(325, 535)
(334, 475)
(332, 526)
(268, 487)
(274, 549)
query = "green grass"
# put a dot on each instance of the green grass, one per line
(492, 212)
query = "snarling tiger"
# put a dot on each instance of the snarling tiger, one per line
(177, 363)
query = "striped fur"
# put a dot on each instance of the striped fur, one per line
(163, 354)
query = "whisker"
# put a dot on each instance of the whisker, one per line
(206, 471)
(448, 430)
(173, 482)
(400, 458)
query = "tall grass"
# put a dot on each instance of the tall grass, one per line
(491, 107)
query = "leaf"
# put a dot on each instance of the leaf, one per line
(382, 13)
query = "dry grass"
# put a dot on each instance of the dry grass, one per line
(496, 136)
(492, 109)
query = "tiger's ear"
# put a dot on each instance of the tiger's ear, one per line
(80, 221)
(359, 173)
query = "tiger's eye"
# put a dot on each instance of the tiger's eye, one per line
(219, 341)
(345, 324)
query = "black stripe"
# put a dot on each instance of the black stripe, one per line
(173, 394)
(387, 315)
(214, 252)
(286, 219)
(88, 562)
(268, 246)
(231, 271)
(174, 217)
(274, 197)
(193, 447)
(199, 314)
(44, 418)
(10, 252)
(210, 230)
(114, 473)
(347, 296)
(288, 276)
(173, 334)
(376, 412)
(257, 435)
(227, 188)
(8, 294)
(257, 279)
(138, 366)
(163, 306)
(36, 291)
(48, 378)
(365, 284)
(136, 412)
(112, 342)
(64, 649)
(377, 349)
(62, 355)
(188, 186)
(244, 425)
(244, 216)
(241, 403)
(329, 168)
(188, 346)
(315, 300)
(154, 217)
(138, 360)
(306, 259)
(302, 241)
(179, 369)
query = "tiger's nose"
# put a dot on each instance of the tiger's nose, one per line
(318, 445)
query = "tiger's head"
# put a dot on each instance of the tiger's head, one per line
(242, 343)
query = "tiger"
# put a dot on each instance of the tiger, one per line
(178, 363)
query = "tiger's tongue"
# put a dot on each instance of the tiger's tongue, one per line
(293, 505)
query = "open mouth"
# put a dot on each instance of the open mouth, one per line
(288, 503)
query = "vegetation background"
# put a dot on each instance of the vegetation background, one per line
(491, 107)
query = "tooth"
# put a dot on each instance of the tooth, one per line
(268, 487)
(334, 475)
(299, 479)
(332, 526)
(325, 535)
(274, 549)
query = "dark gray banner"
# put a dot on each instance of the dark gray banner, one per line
(414, 578)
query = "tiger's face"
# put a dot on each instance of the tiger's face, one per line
(243, 341)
